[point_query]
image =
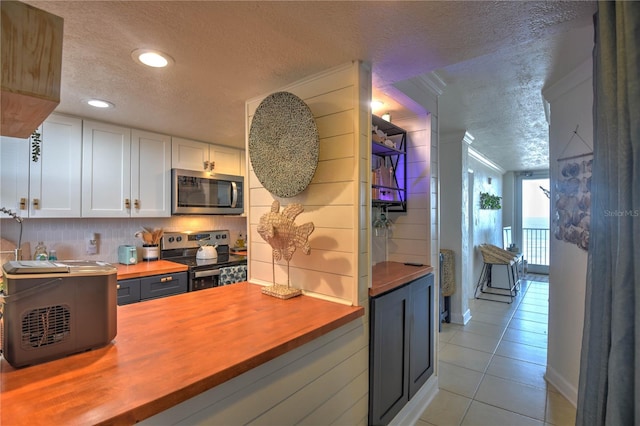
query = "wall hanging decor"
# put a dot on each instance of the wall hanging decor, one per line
(283, 144)
(489, 202)
(284, 236)
(572, 198)
(36, 143)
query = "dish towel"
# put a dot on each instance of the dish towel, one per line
(233, 274)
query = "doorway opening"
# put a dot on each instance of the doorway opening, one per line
(533, 219)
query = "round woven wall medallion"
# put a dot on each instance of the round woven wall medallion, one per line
(283, 144)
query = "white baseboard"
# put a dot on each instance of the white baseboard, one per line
(410, 413)
(564, 387)
(461, 319)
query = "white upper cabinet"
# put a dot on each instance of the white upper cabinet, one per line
(55, 179)
(201, 156)
(125, 172)
(150, 174)
(50, 186)
(189, 155)
(106, 170)
(14, 175)
(225, 160)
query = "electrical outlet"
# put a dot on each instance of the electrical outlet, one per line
(92, 245)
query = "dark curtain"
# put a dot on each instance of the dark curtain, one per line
(609, 387)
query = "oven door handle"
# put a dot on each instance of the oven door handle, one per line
(209, 273)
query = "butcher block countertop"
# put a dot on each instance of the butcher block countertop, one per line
(387, 276)
(166, 351)
(146, 269)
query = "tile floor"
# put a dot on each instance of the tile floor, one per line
(492, 369)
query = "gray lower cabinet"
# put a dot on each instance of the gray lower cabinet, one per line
(139, 289)
(128, 291)
(401, 347)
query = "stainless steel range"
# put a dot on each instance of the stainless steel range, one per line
(182, 247)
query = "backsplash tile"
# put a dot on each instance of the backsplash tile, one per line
(68, 236)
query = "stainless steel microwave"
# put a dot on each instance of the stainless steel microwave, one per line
(206, 193)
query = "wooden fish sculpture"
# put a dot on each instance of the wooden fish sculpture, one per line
(283, 235)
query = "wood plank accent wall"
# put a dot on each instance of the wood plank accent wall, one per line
(410, 238)
(323, 382)
(335, 201)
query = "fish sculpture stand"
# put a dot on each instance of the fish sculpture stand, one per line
(279, 230)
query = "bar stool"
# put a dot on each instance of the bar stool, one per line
(494, 255)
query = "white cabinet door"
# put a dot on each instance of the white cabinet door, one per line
(55, 179)
(150, 174)
(201, 156)
(14, 175)
(189, 155)
(106, 170)
(225, 160)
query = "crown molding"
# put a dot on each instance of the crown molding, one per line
(484, 160)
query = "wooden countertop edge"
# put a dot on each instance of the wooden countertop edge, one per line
(388, 276)
(152, 408)
(148, 269)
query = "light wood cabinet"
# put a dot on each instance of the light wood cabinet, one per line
(31, 57)
(200, 156)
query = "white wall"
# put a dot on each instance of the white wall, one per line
(508, 199)
(571, 101)
(486, 225)
(454, 230)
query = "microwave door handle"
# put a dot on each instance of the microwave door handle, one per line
(234, 194)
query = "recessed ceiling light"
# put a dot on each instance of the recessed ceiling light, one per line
(152, 58)
(99, 103)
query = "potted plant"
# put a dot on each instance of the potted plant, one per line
(489, 202)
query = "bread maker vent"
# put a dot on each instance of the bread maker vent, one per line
(46, 326)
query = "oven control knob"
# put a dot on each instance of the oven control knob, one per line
(178, 239)
(170, 239)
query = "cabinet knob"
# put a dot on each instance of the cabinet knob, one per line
(136, 204)
(127, 203)
(206, 165)
(165, 279)
(23, 203)
(212, 165)
(36, 204)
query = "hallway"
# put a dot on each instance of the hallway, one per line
(492, 369)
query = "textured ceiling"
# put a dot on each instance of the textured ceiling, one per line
(493, 56)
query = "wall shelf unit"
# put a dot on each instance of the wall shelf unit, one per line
(389, 192)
